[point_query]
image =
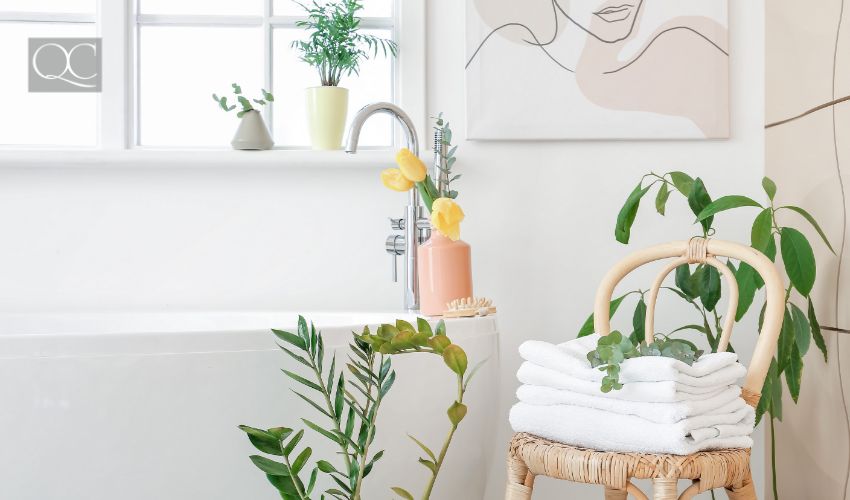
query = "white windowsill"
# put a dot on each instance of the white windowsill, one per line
(201, 158)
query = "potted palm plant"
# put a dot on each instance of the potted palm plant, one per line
(335, 47)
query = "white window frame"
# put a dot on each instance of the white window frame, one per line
(118, 25)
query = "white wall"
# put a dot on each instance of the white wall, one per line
(539, 218)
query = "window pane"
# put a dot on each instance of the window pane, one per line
(198, 7)
(60, 119)
(65, 6)
(371, 8)
(181, 67)
(291, 77)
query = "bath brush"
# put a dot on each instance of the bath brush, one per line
(469, 307)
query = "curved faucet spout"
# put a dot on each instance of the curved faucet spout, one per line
(387, 108)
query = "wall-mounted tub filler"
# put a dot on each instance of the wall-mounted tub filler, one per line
(414, 225)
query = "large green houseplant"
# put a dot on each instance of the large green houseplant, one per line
(335, 47)
(699, 286)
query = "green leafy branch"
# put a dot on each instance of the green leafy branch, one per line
(444, 127)
(372, 378)
(334, 44)
(404, 338)
(702, 286)
(614, 348)
(242, 100)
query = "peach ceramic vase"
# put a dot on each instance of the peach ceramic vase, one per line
(445, 273)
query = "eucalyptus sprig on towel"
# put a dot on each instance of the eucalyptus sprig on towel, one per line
(700, 286)
(614, 348)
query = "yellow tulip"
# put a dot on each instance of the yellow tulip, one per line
(411, 166)
(446, 216)
(395, 180)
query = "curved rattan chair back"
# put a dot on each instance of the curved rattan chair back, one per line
(530, 455)
(699, 250)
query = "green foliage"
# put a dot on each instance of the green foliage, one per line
(443, 126)
(405, 338)
(614, 348)
(348, 406)
(242, 100)
(334, 44)
(701, 286)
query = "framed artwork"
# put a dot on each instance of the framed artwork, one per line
(593, 69)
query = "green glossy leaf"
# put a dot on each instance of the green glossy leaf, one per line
(745, 276)
(776, 398)
(761, 233)
(816, 332)
(439, 342)
(402, 493)
(806, 215)
(626, 217)
(587, 327)
(456, 412)
(455, 358)
(769, 187)
(698, 200)
(424, 448)
(766, 391)
(661, 198)
(639, 323)
(290, 338)
(325, 466)
(799, 259)
(726, 203)
(284, 485)
(290, 446)
(328, 434)
(710, 289)
(301, 460)
(264, 441)
(787, 339)
(802, 330)
(404, 326)
(683, 281)
(683, 182)
(388, 384)
(424, 326)
(794, 373)
(270, 466)
(429, 465)
(302, 380)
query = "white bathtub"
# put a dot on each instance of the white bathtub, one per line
(145, 406)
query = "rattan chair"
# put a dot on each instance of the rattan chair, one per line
(531, 456)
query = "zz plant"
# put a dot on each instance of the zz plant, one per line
(349, 402)
(334, 44)
(700, 287)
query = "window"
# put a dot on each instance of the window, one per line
(28, 119)
(163, 59)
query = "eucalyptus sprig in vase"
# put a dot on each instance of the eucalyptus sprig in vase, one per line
(445, 261)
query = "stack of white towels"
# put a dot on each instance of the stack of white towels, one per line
(665, 405)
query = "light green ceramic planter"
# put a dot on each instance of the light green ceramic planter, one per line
(327, 109)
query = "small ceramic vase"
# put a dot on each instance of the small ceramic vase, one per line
(445, 273)
(252, 133)
(327, 108)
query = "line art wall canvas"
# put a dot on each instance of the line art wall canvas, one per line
(591, 69)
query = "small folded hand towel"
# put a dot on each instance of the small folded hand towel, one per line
(607, 431)
(726, 400)
(650, 392)
(570, 358)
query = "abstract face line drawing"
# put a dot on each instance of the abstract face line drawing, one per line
(664, 57)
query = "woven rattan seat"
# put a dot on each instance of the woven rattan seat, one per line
(530, 456)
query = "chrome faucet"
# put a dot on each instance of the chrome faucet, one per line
(414, 224)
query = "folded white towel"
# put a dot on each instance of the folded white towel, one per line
(650, 392)
(606, 431)
(570, 358)
(663, 413)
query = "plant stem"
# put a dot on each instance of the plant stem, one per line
(336, 418)
(294, 479)
(442, 456)
(773, 457)
(368, 409)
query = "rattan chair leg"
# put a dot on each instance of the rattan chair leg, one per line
(615, 494)
(520, 481)
(664, 488)
(744, 491)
